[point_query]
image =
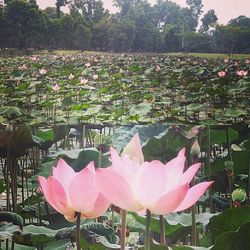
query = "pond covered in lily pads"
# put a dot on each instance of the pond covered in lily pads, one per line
(77, 106)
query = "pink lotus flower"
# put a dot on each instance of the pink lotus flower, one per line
(44, 97)
(33, 58)
(69, 192)
(23, 67)
(42, 71)
(134, 185)
(241, 73)
(158, 68)
(71, 77)
(95, 77)
(87, 64)
(221, 73)
(226, 60)
(56, 87)
(84, 81)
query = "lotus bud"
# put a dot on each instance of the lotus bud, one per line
(229, 165)
(9, 128)
(102, 142)
(195, 150)
(239, 194)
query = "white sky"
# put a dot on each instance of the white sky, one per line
(224, 9)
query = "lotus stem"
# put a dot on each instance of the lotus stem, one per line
(147, 233)
(78, 230)
(7, 179)
(209, 168)
(194, 229)
(123, 228)
(192, 159)
(100, 157)
(230, 176)
(162, 231)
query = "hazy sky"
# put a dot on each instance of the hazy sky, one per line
(225, 9)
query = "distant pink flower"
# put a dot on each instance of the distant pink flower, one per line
(42, 71)
(221, 73)
(87, 64)
(247, 61)
(69, 192)
(23, 67)
(71, 77)
(226, 60)
(44, 97)
(33, 58)
(56, 87)
(135, 185)
(158, 68)
(84, 81)
(241, 73)
(95, 77)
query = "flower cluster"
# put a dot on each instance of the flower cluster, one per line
(129, 183)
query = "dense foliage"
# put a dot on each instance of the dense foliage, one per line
(138, 26)
(124, 89)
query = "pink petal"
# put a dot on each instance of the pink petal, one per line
(133, 150)
(42, 182)
(56, 196)
(170, 201)
(177, 164)
(63, 173)
(115, 159)
(152, 183)
(123, 166)
(190, 173)
(100, 207)
(91, 167)
(116, 189)
(193, 195)
(71, 218)
(83, 190)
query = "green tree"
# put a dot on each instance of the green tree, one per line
(66, 29)
(147, 36)
(100, 34)
(208, 21)
(82, 37)
(4, 37)
(59, 4)
(51, 12)
(125, 5)
(91, 10)
(166, 13)
(121, 35)
(196, 9)
(199, 43)
(226, 36)
(171, 38)
(26, 24)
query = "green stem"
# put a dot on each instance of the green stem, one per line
(148, 233)
(248, 184)
(78, 230)
(162, 231)
(193, 160)
(194, 229)
(100, 158)
(230, 178)
(7, 179)
(209, 168)
(123, 228)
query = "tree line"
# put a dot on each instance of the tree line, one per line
(137, 27)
